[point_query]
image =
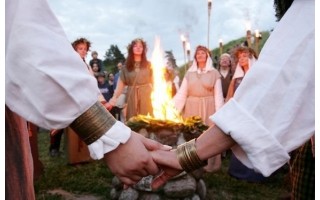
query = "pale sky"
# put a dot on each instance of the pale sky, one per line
(118, 22)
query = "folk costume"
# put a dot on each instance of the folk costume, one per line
(200, 93)
(139, 82)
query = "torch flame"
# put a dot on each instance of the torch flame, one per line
(257, 33)
(183, 38)
(163, 107)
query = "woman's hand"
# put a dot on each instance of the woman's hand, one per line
(168, 162)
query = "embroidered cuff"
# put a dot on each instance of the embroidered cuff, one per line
(100, 130)
(93, 123)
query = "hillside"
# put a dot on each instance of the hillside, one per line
(230, 45)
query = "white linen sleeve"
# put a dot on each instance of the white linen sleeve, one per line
(46, 81)
(119, 90)
(181, 96)
(218, 95)
(176, 81)
(272, 112)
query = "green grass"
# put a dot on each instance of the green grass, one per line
(89, 178)
(95, 179)
(222, 186)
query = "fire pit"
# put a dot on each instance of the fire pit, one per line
(166, 131)
(170, 133)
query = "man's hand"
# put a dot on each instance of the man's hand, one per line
(132, 161)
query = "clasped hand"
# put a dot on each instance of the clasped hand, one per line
(140, 157)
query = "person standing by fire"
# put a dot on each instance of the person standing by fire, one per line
(201, 94)
(138, 76)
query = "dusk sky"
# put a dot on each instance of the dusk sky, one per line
(107, 22)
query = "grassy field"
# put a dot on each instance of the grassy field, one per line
(94, 179)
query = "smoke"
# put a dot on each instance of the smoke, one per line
(189, 19)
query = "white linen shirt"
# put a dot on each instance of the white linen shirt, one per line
(46, 81)
(273, 110)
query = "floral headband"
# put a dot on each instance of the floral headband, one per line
(136, 41)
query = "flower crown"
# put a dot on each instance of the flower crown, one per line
(135, 41)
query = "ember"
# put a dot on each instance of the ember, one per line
(190, 128)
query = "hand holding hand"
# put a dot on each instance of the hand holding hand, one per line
(168, 162)
(113, 101)
(54, 131)
(108, 106)
(132, 161)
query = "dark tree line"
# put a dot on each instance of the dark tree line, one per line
(281, 6)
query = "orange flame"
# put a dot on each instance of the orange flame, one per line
(163, 107)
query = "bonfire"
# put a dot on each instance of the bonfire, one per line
(166, 121)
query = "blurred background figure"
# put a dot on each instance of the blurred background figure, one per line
(168, 76)
(116, 76)
(95, 69)
(96, 60)
(176, 81)
(105, 88)
(225, 65)
(121, 103)
(55, 140)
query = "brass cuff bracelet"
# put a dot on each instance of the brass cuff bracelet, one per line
(93, 123)
(188, 157)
